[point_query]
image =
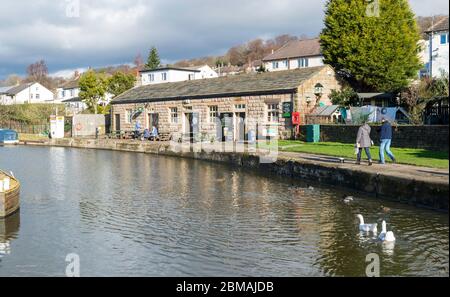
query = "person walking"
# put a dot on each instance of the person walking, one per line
(385, 140)
(363, 141)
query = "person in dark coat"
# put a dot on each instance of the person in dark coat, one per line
(363, 141)
(385, 141)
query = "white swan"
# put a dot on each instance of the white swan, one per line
(348, 199)
(366, 227)
(387, 236)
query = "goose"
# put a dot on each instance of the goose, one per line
(387, 236)
(366, 227)
(385, 209)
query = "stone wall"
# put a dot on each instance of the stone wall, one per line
(419, 192)
(405, 136)
(255, 109)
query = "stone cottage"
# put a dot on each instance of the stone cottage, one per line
(226, 108)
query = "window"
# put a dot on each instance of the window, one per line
(213, 113)
(444, 38)
(174, 115)
(63, 94)
(275, 65)
(272, 112)
(164, 76)
(239, 106)
(303, 62)
(31, 95)
(129, 116)
(151, 77)
(71, 92)
(191, 76)
(38, 96)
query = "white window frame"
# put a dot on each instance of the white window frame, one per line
(275, 65)
(128, 116)
(174, 115)
(303, 63)
(273, 112)
(151, 77)
(164, 76)
(213, 113)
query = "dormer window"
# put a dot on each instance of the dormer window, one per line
(303, 62)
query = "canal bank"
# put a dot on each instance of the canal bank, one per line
(419, 186)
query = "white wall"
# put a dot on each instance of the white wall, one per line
(294, 63)
(64, 94)
(174, 75)
(171, 76)
(36, 93)
(206, 72)
(440, 54)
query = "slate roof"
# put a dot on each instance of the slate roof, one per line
(188, 69)
(73, 84)
(14, 90)
(4, 90)
(441, 25)
(74, 99)
(238, 85)
(296, 49)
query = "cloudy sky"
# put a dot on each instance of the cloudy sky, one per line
(72, 34)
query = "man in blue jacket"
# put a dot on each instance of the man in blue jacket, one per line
(385, 141)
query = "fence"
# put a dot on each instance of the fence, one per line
(41, 127)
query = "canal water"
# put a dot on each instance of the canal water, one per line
(128, 214)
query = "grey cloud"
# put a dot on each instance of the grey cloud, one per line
(114, 31)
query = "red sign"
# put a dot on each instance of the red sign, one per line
(296, 120)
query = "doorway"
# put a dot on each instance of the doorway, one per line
(117, 122)
(191, 125)
(153, 119)
(226, 121)
(240, 127)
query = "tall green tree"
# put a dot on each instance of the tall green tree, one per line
(93, 87)
(373, 44)
(120, 82)
(153, 60)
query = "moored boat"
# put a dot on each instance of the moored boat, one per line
(9, 194)
(8, 136)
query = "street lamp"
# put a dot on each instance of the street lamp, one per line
(318, 91)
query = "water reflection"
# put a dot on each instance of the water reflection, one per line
(135, 214)
(9, 228)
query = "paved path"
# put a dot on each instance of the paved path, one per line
(399, 170)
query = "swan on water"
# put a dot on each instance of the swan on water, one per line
(387, 236)
(366, 227)
(348, 199)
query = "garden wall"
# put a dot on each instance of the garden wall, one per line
(406, 136)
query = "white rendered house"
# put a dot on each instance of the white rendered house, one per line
(175, 74)
(434, 53)
(295, 54)
(27, 93)
(68, 94)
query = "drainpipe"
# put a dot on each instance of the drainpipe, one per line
(431, 49)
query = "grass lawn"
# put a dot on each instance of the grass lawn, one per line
(418, 157)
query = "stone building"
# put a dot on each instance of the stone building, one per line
(226, 108)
